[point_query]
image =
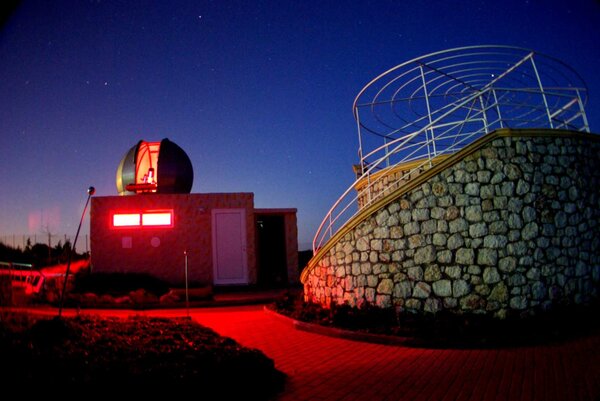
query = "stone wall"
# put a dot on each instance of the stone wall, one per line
(513, 226)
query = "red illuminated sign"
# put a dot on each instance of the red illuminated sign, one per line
(148, 218)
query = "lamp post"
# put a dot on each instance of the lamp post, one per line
(90, 191)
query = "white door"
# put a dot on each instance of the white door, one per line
(229, 246)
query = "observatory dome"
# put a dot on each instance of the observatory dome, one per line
(155, 167)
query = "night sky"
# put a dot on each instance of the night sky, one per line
(258, 93)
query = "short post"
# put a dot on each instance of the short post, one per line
(187, 299)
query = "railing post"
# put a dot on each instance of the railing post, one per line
(586, 127)
(426, 95)
(360, 152)
(485, 122)
(497, 108)
(539, 81)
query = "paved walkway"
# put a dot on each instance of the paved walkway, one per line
(325, 368)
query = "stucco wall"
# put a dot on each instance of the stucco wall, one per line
(513, 226)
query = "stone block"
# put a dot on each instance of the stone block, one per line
(488, 257)
(425, 255)
(421, 290)
(442, 288)
(465, 256)
(432, 273)
(460, 288)
(490, 275)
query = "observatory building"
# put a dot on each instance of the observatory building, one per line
(156, 224)
(477, 190)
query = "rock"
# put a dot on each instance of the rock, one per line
(452, 213)
(439, 188)
(465, 256)
(512, 172)
(455, 241)
(472, 189)
(473, 213)
(478, 230)
(425, 255)
(523, 187)
(442, 288)
(143, 297)
(432, 305)
(383, 301)
(538, 290)
(439, 239)
(413, 305)
(507, 264)
(519, 302)
(415, 273)
(470, 302)
(515, 221)
(453, 272)
(516, 280)
(498, 227)
(444, 257)
(487, 257)
(403, 289)
(484, 176)
(420, 214)
(530, 231)
(458, 225)
(421, 290)
(415, 241)
(372, 281)
(495, 241)
(432, 273)
(428, 227)
(385, 286)
(490, 275)
(460, 288)
(411, 228)
(499, 293)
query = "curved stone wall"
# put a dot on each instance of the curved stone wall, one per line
(512, 226)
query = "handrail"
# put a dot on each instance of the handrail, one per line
(438, 103)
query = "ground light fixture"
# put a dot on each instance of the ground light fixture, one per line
(90, 191)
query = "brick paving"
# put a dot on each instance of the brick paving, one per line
(326, 368)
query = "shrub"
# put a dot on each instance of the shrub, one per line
(119, 284)
(139, 355)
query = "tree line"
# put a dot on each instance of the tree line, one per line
(39, 255)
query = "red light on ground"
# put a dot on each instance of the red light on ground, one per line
(143, 219)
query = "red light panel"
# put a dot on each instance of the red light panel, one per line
(157, 219)
(149, 218)
(126, 220)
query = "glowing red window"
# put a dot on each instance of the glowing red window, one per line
(149, 218)
(126, 220)
(157, 219)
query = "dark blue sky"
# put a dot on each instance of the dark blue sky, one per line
(258, 93)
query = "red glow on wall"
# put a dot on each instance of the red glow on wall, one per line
(147, 218)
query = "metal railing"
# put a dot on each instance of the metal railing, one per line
(437, 104)
(22, 275)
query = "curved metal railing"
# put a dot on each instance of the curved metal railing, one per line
(437, 104)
